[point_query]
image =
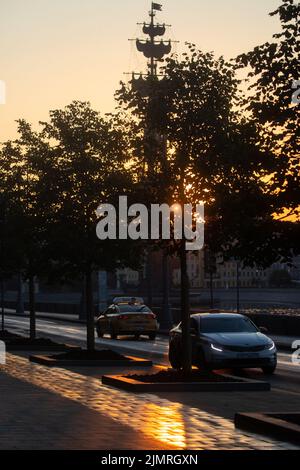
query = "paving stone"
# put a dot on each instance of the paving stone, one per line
(77, 411)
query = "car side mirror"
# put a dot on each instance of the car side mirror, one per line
(263, 329)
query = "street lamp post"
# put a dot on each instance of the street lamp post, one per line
(102, 290)
(154, 50)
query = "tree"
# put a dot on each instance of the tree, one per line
(22, 164)
(88, 156)
(273, 79)
(216, 158)
(212, 155)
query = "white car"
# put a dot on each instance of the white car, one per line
(224, 340)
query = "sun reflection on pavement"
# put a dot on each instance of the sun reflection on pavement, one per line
(165, 424)
(175, 425)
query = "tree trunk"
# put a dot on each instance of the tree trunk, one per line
(90, 320)
(211, 290)
(32, 308)
(237, 287)
(185, 312)
(166, 317)
(82, 305)
(2, 304)
(149, 279)
(20, 297)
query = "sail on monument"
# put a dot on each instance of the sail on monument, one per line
(153, 49)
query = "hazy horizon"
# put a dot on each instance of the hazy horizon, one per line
(56, 51)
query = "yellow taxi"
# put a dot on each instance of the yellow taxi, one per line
(127, 316)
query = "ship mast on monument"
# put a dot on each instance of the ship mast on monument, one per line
(152, 48)
(154, 155)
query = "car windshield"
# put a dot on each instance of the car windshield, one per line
(133, 308)
(227, 325)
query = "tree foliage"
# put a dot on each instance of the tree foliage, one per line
(274, 74)
(54, 181)
(206, 149)
(22, 166)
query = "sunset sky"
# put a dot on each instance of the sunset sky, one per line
(55, 51)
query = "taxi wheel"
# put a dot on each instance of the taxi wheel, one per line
(152, 336)
(136, 337)
(100, 334)
(201, 362)
(269, 370)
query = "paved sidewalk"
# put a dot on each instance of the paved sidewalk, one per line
(47, 316)
(45, 408)
(35, 418)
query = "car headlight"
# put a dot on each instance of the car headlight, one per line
(216, 348)
(271, 346)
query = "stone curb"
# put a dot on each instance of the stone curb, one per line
(32, 347)
(131, 361)
(269, 424)
(132, 385)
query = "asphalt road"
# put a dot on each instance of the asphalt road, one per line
(287, 376)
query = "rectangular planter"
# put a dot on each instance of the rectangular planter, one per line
(130, 361)
(132, 385)
(270, 424)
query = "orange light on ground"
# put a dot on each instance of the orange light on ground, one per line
(165, 424)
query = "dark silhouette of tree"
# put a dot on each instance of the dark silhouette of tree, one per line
(273, 80)
(88, 156)
(22, 163)
(53, 182)
(212, 155)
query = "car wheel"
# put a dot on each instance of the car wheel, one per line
(152, 336)
(137, 337)
(100, 333)
(201, 362)
(269, 370)
(174, 358)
